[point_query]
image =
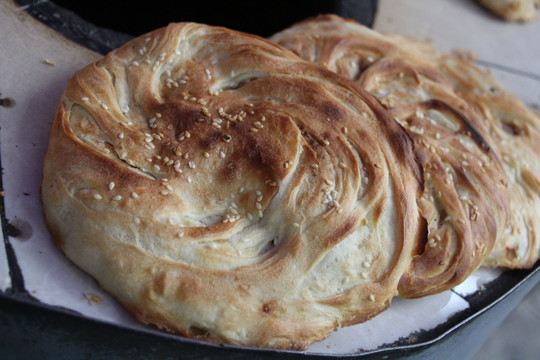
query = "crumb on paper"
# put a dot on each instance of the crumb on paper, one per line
(49, 62)
(464, 54)
(93, 299)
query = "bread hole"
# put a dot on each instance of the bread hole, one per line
(511, 129)
(239, 81)
(198, 331)
(268, 246)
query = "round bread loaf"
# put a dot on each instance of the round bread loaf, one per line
(464, 201)
(222, 188)
(516, 132)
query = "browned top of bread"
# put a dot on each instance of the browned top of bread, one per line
(222, 188)
(464, 199)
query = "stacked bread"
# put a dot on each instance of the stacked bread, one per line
(264, 193)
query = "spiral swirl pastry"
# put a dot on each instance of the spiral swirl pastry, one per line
(224, 189)
(464, 200)
(516, 132)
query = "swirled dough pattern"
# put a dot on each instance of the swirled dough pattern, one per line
(222, 188)
(464, 200)
(516, 132)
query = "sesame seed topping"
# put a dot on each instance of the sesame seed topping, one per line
(328, 182)
(104, 106)
(315, 166)
(206, 155)
(296, 225)
(326, 142)
(111, 185)
(98, 197)
(222, 154)
(134, 195)
(137, 220)
(85, 98)
(117, 198)
(371, 297)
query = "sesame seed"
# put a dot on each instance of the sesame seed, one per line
(111, 185)
(258, 205)
(342, 165)
(345, 130)
(254, 130)
(328, 182)
(206, 155)
(315, 166)
(258, 124)
(296, 225)
(121, 135)
(180, 234)
(371, 297)
(249, 216)
(85, 98)
(326, 142)
(158, 115)
(260, 213)
(117, 198)
(98, 197)
(163, 192)
(104, 106)
(189, 179)
(137, 220)
(366, 264)
(259, 198)
(222, 154)
(134, 195)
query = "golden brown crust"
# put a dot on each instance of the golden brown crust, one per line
(222, 188)
(464, 200)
